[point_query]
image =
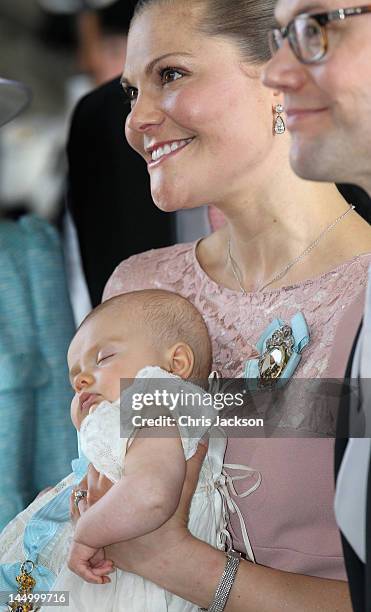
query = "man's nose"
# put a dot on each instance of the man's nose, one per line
(83, 380)
(284, 72)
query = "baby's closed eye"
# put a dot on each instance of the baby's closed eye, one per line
(104, 357)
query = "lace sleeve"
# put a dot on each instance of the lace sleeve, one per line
(101, 442)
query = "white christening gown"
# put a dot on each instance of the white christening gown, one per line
(101, 444)
(43, 532)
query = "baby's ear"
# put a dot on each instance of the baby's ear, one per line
(181, 360)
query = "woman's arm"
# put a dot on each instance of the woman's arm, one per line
(146, 496)
(192, 570)
(175, 560)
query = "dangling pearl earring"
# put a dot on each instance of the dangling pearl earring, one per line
(278, 123)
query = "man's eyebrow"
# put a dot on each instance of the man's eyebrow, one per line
(310, 8)
(124, 81)
(298, 9)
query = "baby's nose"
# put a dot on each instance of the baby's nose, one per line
(82, 380)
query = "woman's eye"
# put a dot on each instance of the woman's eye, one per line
(131, 94)
(168, 75)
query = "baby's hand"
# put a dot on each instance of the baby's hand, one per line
(89, 563)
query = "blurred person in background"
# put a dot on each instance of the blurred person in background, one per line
(37, 441)
(101, 35)
(40, 50)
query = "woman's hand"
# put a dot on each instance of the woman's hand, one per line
(77, 511)
(97, 485)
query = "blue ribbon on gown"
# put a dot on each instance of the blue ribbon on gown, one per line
(40, 530)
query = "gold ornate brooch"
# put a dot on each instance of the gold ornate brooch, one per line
(279, 348)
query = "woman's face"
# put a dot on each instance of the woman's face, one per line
(200, 117)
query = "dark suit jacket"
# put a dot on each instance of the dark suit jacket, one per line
(359, 574)
(108, 193)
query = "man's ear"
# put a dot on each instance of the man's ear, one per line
(181, 360)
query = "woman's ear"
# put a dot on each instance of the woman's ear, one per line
(181, 360)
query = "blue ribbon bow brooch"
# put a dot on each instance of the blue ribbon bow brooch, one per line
(280, 347)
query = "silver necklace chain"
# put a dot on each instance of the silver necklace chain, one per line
(236, 270)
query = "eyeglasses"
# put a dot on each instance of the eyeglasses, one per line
(307, 34)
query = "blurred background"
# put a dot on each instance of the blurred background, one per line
(61, 49)
(57, 51)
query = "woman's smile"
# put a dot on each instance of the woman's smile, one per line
(162, 151)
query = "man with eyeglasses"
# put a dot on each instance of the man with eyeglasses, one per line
(321, 62)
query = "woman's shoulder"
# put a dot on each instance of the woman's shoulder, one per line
(156, 268)
(347, 280)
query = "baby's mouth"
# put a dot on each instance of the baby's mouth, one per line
(87, 400)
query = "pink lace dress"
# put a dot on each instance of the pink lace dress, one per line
(289, 513)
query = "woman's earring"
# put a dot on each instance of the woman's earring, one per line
(278, 123)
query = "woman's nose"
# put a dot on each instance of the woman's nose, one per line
(145, 114)
(83, 380)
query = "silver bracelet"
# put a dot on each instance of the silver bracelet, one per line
(226, 582)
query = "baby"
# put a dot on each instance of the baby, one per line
(154, 334)
(117, 341)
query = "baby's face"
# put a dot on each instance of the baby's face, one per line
(108, 347)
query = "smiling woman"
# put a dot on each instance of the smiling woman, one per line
(173, 79)
(290, 250)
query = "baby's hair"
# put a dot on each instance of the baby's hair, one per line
(170, 318)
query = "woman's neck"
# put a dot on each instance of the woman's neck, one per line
(269, 228)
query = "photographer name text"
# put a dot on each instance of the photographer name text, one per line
(188, 421)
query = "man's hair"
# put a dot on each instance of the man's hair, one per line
(169, 318)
